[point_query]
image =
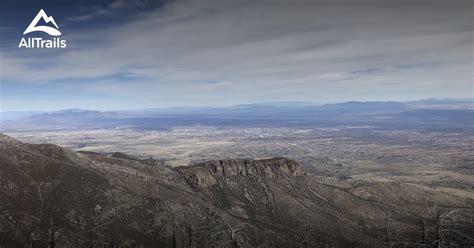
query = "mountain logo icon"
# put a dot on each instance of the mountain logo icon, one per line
(47, 29)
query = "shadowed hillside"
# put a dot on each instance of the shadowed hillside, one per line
(50, 196)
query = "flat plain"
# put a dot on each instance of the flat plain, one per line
(439, 160)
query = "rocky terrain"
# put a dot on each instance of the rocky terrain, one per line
(53, 197)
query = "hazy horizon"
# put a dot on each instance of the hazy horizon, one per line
(227, 106)
(236, 123)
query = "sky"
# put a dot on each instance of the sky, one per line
(148, 54)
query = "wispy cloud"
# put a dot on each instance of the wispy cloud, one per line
(214, 52)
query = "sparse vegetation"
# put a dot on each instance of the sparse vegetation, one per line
(352, 186)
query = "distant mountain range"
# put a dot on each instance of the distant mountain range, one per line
(432, 113)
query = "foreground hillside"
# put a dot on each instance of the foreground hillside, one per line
(50, 196)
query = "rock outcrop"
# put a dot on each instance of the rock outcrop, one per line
(54, 197)
(205, 174)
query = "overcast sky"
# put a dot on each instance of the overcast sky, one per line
(144, 54)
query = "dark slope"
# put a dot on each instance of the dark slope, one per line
(52, 195)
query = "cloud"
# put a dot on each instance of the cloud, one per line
(266, 51)
(113, 10)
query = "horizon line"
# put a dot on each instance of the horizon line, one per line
(240, 104)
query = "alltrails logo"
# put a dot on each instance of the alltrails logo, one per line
(38, 42)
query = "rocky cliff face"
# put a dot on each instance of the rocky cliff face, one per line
(206, 174)
(50, 196)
